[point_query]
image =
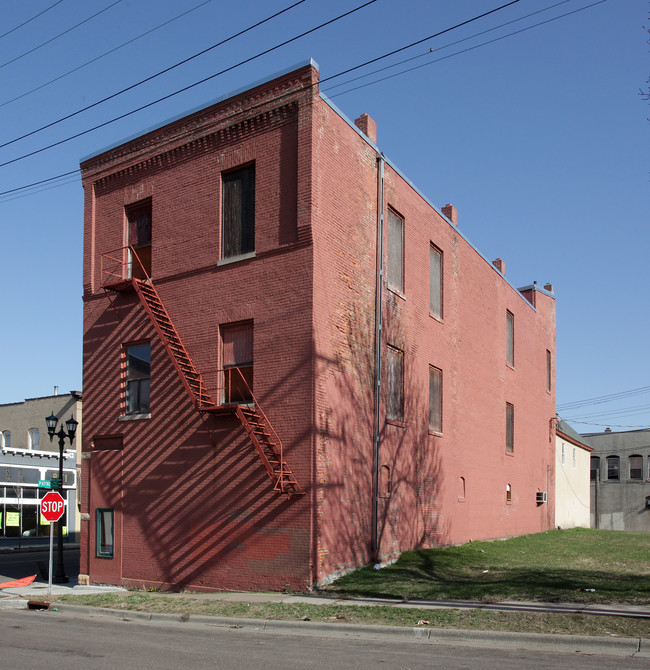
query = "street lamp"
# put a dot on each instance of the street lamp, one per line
(71, 425)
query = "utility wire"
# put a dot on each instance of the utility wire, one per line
(153, 76)
(24, 23)
(599, 400)
(428, 52)
(56, 37)
(27, 186)
(106, 53)
(190, 86)
(457, 53)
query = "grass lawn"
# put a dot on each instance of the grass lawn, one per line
(559, 565)
(553, 566)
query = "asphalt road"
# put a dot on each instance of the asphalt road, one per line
(15, 565)
(41, 639)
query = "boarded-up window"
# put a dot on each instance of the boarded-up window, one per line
(510, 427)
(238, 212)
(395, 270)
(613, 468)
(636, 467)
(510, 338)
(237, 356)
(435, 281)
(384, 482)
(395, 384)
(435, 399)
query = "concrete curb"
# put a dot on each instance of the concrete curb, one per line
(616, 646)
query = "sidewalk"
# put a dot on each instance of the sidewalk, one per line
(38, 590)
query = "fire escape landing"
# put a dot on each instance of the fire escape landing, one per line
(117, 275)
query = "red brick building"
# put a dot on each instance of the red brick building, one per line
(240, 265)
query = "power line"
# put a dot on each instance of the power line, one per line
(599, 400)
(153, 76)
(27, 186)
(56, 37)
(457, 53)
(24, 23)
(428, 52)
(190, 86)
(106, 53)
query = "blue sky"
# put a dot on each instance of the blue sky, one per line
(540, 139)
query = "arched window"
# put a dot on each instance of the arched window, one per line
(508, 493)
(636, 467)
(33, 436)
(461, 489)
(613, 468)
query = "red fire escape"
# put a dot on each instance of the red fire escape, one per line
(117, 270)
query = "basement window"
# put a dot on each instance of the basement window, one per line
(104, 540)
(238, 212)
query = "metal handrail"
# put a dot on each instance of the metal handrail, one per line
(116, 272)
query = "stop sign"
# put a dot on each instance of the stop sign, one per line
(52, 506)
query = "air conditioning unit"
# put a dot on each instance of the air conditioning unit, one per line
(541, 497)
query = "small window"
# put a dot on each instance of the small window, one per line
(395, 270)
(33, 438)
(461, 489)
(237, 356)
(595, 468)
(510, 338)
(563, 453)
(510, 428)
(574, 460)
(613, 468)
(636, 468)
(435, 399)
(395, 384)
(238, 212)
(6, 439)
(549, 371)
(138, 366)
(435, 281)
(105, 546)
(508, 493)
(384, 482)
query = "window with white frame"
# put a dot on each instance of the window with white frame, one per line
(32, 438)
(574, 460)
(563, 453)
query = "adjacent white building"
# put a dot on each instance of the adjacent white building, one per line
(572, 491)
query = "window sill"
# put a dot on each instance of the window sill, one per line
(236, 259)
(439, 319)
(134, 417)
(510, 453)
(396, 292)
(435, 433)
(510, 365)
(394, 422)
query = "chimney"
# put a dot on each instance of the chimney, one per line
(451, 213)
(56, 390)
(549, 288)
(367, 126)
(500, 265)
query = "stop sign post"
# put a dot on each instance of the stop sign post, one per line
(52, 509)
(52, 506)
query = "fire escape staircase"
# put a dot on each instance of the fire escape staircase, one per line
(257, 426)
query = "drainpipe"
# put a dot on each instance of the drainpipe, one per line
(378, 326)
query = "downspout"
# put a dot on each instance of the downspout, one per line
(378, 332)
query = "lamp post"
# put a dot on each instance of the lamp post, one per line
(71, 425)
